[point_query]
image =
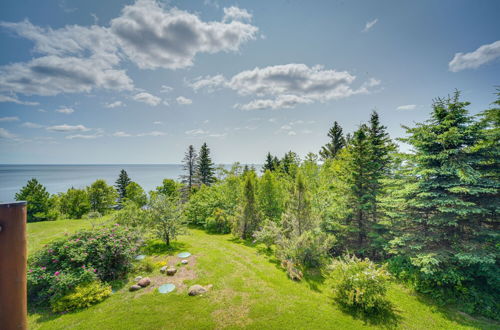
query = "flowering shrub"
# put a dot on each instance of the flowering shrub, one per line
(359, 284)
(83, 296)
(104, 253)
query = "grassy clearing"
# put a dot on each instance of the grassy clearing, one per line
(249, 291)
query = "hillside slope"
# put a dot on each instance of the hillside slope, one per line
(250, 290)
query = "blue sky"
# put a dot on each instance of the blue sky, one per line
(138, 81)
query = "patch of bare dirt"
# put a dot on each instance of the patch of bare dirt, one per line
(184, 273)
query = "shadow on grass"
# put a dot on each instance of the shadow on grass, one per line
(314, 278)
(45, 314)
(384, 317)
(454, 314)
(158, 247)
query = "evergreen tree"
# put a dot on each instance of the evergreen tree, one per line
(337, 142)
(249, 217)
(290, 163)
(189, 165)
(38, 200)
(121, 184)
(269, 164)
(380, 148)
(452, 227)
(358, 180)
(205, 168)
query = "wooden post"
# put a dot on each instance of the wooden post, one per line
(13, 257)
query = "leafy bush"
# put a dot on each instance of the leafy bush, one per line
(83, 296)
(218, 222)
(359, 284)
(268, 234)
(291, 270)
(131, 216)
(74, 203)
(309, 249)
(473, 287)
(92, 215)
(102, 253)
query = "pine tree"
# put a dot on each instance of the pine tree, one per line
(337, 142)
(38, 200)
(205, 168)
(189, 165)
(358, 180)
(249, 217)
(269, 164)
(452, 227)
(121, 184)
(381, 147)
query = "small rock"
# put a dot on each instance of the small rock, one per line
(134, 287)
(163, 269)
(171, 271)
(144, 282)
(184, 262)
(196, 289)
(138, 278)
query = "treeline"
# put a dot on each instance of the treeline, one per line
(429, 215)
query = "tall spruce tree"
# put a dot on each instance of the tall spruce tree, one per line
(189, 166)
(337, 142)
(358, 179)
(121, 184)
(452, 227)
(205, 168)
(269, 164)
(38, 199)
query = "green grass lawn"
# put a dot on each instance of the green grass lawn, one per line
(250, 291)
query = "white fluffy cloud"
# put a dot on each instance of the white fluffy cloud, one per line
(153, 133)
(84, 136)
(76, 59)
(147, 98)
(68, 128)
(65, 110)
(14, 99)
(237, 14)
(370, 24)
(9, 119)
(183, 100)
(29, 124)
(407, 107)
(6, 135)
(482, 55)
(285, 86)
(121, 134)
(114, 104)
(153, 36)
(52, 75)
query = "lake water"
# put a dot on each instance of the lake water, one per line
(59, 178)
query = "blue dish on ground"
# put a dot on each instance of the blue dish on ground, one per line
(166, 288)
(184, 255)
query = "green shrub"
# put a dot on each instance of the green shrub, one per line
(218, 222)
(83, 296)
(131, 216)
(102, 253)
(309, 249)
(470, 285)
(359, 284)
(268, 234)
(92, 215)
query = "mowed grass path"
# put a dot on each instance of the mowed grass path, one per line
(249, 291)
